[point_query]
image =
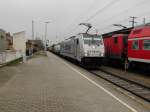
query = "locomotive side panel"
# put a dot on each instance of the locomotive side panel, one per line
(56, 48)
(78, 47)
(139, 45)
(116, 46)
(108, 49)
(67, 48)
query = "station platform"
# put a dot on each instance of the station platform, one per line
(51, 84)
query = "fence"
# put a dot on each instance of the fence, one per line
(8, 56)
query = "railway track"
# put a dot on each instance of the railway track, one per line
(135, 88)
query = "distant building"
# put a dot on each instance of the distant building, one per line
(34, 46)
(2, 40)
(19, 41)
(9, 41)
(37, 44)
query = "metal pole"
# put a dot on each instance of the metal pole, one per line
(133, 20)
(144, 21)
(45, 33)
(32, 30)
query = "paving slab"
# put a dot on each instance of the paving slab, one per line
(47, 84)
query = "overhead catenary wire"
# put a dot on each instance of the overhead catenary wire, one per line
(79, 17)
(107, 7)
(111, 25)
(102, 9)
(141, 3)
(126, 10)
(121, 21)
(106, 21)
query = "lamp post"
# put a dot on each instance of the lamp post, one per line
(32, 30)
(46, 23)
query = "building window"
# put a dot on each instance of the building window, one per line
(115, 40)
(146, 44)
(135, 45)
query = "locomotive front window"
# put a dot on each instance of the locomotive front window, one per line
(135, 45)
(146, 44)
(92, 42)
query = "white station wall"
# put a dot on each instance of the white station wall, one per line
(19, 41)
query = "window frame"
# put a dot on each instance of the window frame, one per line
(133, 43)
(143, 45)
(115, 40)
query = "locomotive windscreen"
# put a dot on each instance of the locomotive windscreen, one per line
(96, 40)
(92, 42)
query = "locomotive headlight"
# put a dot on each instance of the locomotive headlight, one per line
(86, 53)
(93, 47)
(101, 54)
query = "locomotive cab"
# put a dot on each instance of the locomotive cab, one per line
(93, 49)
(87, 49)
(93, 46)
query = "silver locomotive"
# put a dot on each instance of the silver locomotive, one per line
(85, 48)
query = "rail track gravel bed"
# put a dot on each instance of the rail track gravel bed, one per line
(135, 88)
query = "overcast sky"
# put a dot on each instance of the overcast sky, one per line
(65, 15)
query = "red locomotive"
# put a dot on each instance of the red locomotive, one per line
(131, 45)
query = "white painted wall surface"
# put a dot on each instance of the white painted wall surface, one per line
(8, 56)
(19, 42)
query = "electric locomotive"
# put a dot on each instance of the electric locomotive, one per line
(85, 48)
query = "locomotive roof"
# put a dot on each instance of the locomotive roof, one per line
(122, 31)
(87, 34)
(140, 31)
(70, 37)
(84, 34)
(143, 25)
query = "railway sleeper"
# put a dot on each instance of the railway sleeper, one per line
(143, 92)
(128, 86)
